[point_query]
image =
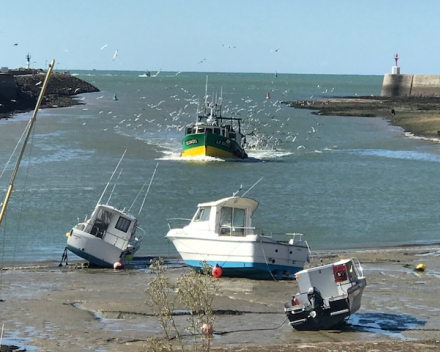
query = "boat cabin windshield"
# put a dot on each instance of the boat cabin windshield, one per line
(232, 221)
(225, 131)
(102, 220)
(202, 214)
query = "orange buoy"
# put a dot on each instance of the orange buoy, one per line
(117, 265)
(216, 271)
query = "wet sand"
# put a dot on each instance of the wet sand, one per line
(49, 308)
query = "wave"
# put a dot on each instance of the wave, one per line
(394, 154)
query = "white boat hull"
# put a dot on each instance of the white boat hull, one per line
(94, 249)
(248, 256)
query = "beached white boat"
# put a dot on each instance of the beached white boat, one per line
(107, 238)
(221, 233)
(328, 295)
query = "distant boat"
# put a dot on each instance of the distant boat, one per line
(221, 234)
(146, 74)
(328, 295)
(214, 135)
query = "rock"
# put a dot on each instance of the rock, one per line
(60, 91)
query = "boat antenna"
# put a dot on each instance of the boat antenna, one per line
(28, 132)
(206, 90)
(114, 186)
(235, 193)
(251, 187)
(151, 181)
(116, 168)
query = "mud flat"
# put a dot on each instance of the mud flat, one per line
(417, 115)
(49, 308)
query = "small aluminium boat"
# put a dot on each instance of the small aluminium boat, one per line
(328, 295)
(221, 234)
(214, 135)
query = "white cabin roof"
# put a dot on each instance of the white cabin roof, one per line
(237, 202)
(115, 210)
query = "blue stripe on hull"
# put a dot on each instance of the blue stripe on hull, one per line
(93, 260)
(259, 271)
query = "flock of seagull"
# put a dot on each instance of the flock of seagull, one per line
(265, 122)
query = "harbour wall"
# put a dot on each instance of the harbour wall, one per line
(397, 85)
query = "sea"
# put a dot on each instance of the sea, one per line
(342, 182)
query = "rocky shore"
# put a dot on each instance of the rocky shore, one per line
(22, 94)
(417, 115)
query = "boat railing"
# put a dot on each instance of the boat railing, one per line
(358, 267)
(291, 237)
(177, 223)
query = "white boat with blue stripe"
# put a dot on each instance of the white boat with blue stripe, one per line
(221, 234)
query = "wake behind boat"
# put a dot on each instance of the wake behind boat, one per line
(214, 135)
(328, 295)
(221, 234)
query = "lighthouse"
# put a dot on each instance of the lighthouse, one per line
(395, 70)
(28, 61)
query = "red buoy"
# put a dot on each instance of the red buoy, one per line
(216, 271)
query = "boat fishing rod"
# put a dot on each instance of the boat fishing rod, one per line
(28, 132)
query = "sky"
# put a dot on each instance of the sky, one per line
(286, 36)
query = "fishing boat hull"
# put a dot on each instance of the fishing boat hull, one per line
(209, 144)
(96, 251)
(249, 256)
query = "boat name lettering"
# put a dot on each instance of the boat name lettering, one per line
(223, 143)
(191, 141)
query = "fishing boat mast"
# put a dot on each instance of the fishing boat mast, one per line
(28, 132)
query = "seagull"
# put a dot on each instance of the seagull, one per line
(104, 46)
(15, 44)
(115, 54)
(276, 50)
(201, 62)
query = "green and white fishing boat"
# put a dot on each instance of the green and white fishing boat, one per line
(214, 135)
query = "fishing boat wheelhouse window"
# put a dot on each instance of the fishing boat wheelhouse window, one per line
(123, 224)
(102, 221)
(203, 214)
(232, 221)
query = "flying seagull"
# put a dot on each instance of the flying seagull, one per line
(115, 54)
(104, 46)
